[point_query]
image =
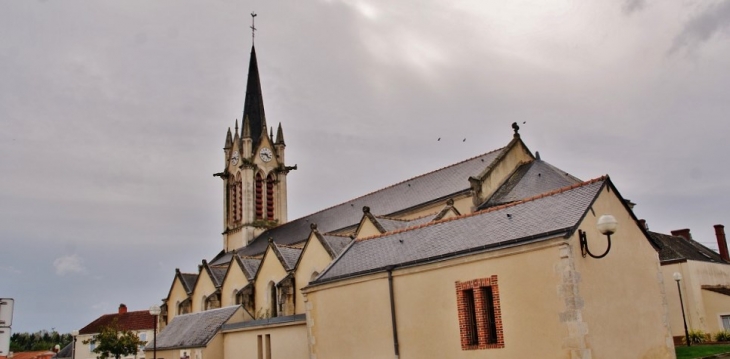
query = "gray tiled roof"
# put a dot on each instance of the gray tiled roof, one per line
(540, 218)
(193, 330)
(189, 280)
(337, 243)
(417, 190)
(218, 273)
(289, 255)
(64, 353)
(267, 321)
(394, 224)
(673, 248)
(251, 266)
(529, 180)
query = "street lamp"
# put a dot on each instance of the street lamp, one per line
(74, 333)
(677, 278)
(607, 225)
(154, 310)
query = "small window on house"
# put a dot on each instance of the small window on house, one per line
(480, 316)
(725, 321)
(142, 337)
(92, 346)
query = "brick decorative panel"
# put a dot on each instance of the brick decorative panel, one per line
(476, 313)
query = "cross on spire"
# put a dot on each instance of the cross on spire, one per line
(253, 27)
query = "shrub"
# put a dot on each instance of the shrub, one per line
(697, 336)
(722, 336)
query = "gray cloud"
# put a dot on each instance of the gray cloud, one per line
(113, 116)
(712, 20)
(631, 6)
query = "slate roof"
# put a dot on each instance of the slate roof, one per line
(137, 320)
(188, 280)
(192, 330)
(253, 106)
(250, 266)
(394, 224)
(217, 274)
(542, 217)
(336, 243)
(529, 180)
(288, 255)
(425, 188)
(676, 248)
(66, 352)
(267, 321)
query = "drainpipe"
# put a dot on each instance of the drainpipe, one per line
(392, 311)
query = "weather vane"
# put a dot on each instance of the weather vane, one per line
(253, 27)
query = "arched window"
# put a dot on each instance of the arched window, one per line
(259, 197)
(270, 196)
(184, 307)
(273, 303)
(212, 301)
(232, 198)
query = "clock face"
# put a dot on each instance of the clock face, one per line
(266, 154)
(234, 157)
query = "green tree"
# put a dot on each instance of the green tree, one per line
(114, 342)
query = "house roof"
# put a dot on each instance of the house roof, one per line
(546, 216)
(530, 179)
(250, 266)
(432, 186)
(43, 354)
(676, 248)
(192, 330)
(188, 280)
(137, 320)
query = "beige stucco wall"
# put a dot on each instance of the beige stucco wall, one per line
(235, 280)
(360, 325)
(366, 229)
(314, 258)
(287, 341)
(203, 288)
(622, 294)
(702, 310)
(177, 295)
(516, 156)
(271, 270)
(554, 302)
(716, 305)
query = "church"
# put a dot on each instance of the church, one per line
(501, 255)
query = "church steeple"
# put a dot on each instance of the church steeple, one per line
(253, 108)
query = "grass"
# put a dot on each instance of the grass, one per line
(699, 351)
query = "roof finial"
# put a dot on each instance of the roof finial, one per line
(516, 128)
(253, 27)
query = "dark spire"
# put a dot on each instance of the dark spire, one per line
(253, 108)
(271, 133)
(280, 135)
(229, 140)
(236, 132)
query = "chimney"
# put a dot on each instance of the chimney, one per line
(721, 242)
(642, 223)
(122, 308)
(684, 233)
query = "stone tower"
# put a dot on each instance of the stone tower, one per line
(254, 178)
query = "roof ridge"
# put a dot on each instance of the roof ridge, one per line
(336, 235)
(487, 210)
(290, 246)
(397, 183)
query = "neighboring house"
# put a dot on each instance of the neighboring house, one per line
(66, 352)
(44, 354)
(140, 322)
(705, 282)
(478, 258)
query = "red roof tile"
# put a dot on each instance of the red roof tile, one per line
(139, 320)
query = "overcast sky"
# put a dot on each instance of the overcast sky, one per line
(113, 116)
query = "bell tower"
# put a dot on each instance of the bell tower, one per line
(254, 175)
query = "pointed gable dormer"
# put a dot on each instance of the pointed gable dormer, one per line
(253, 107)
